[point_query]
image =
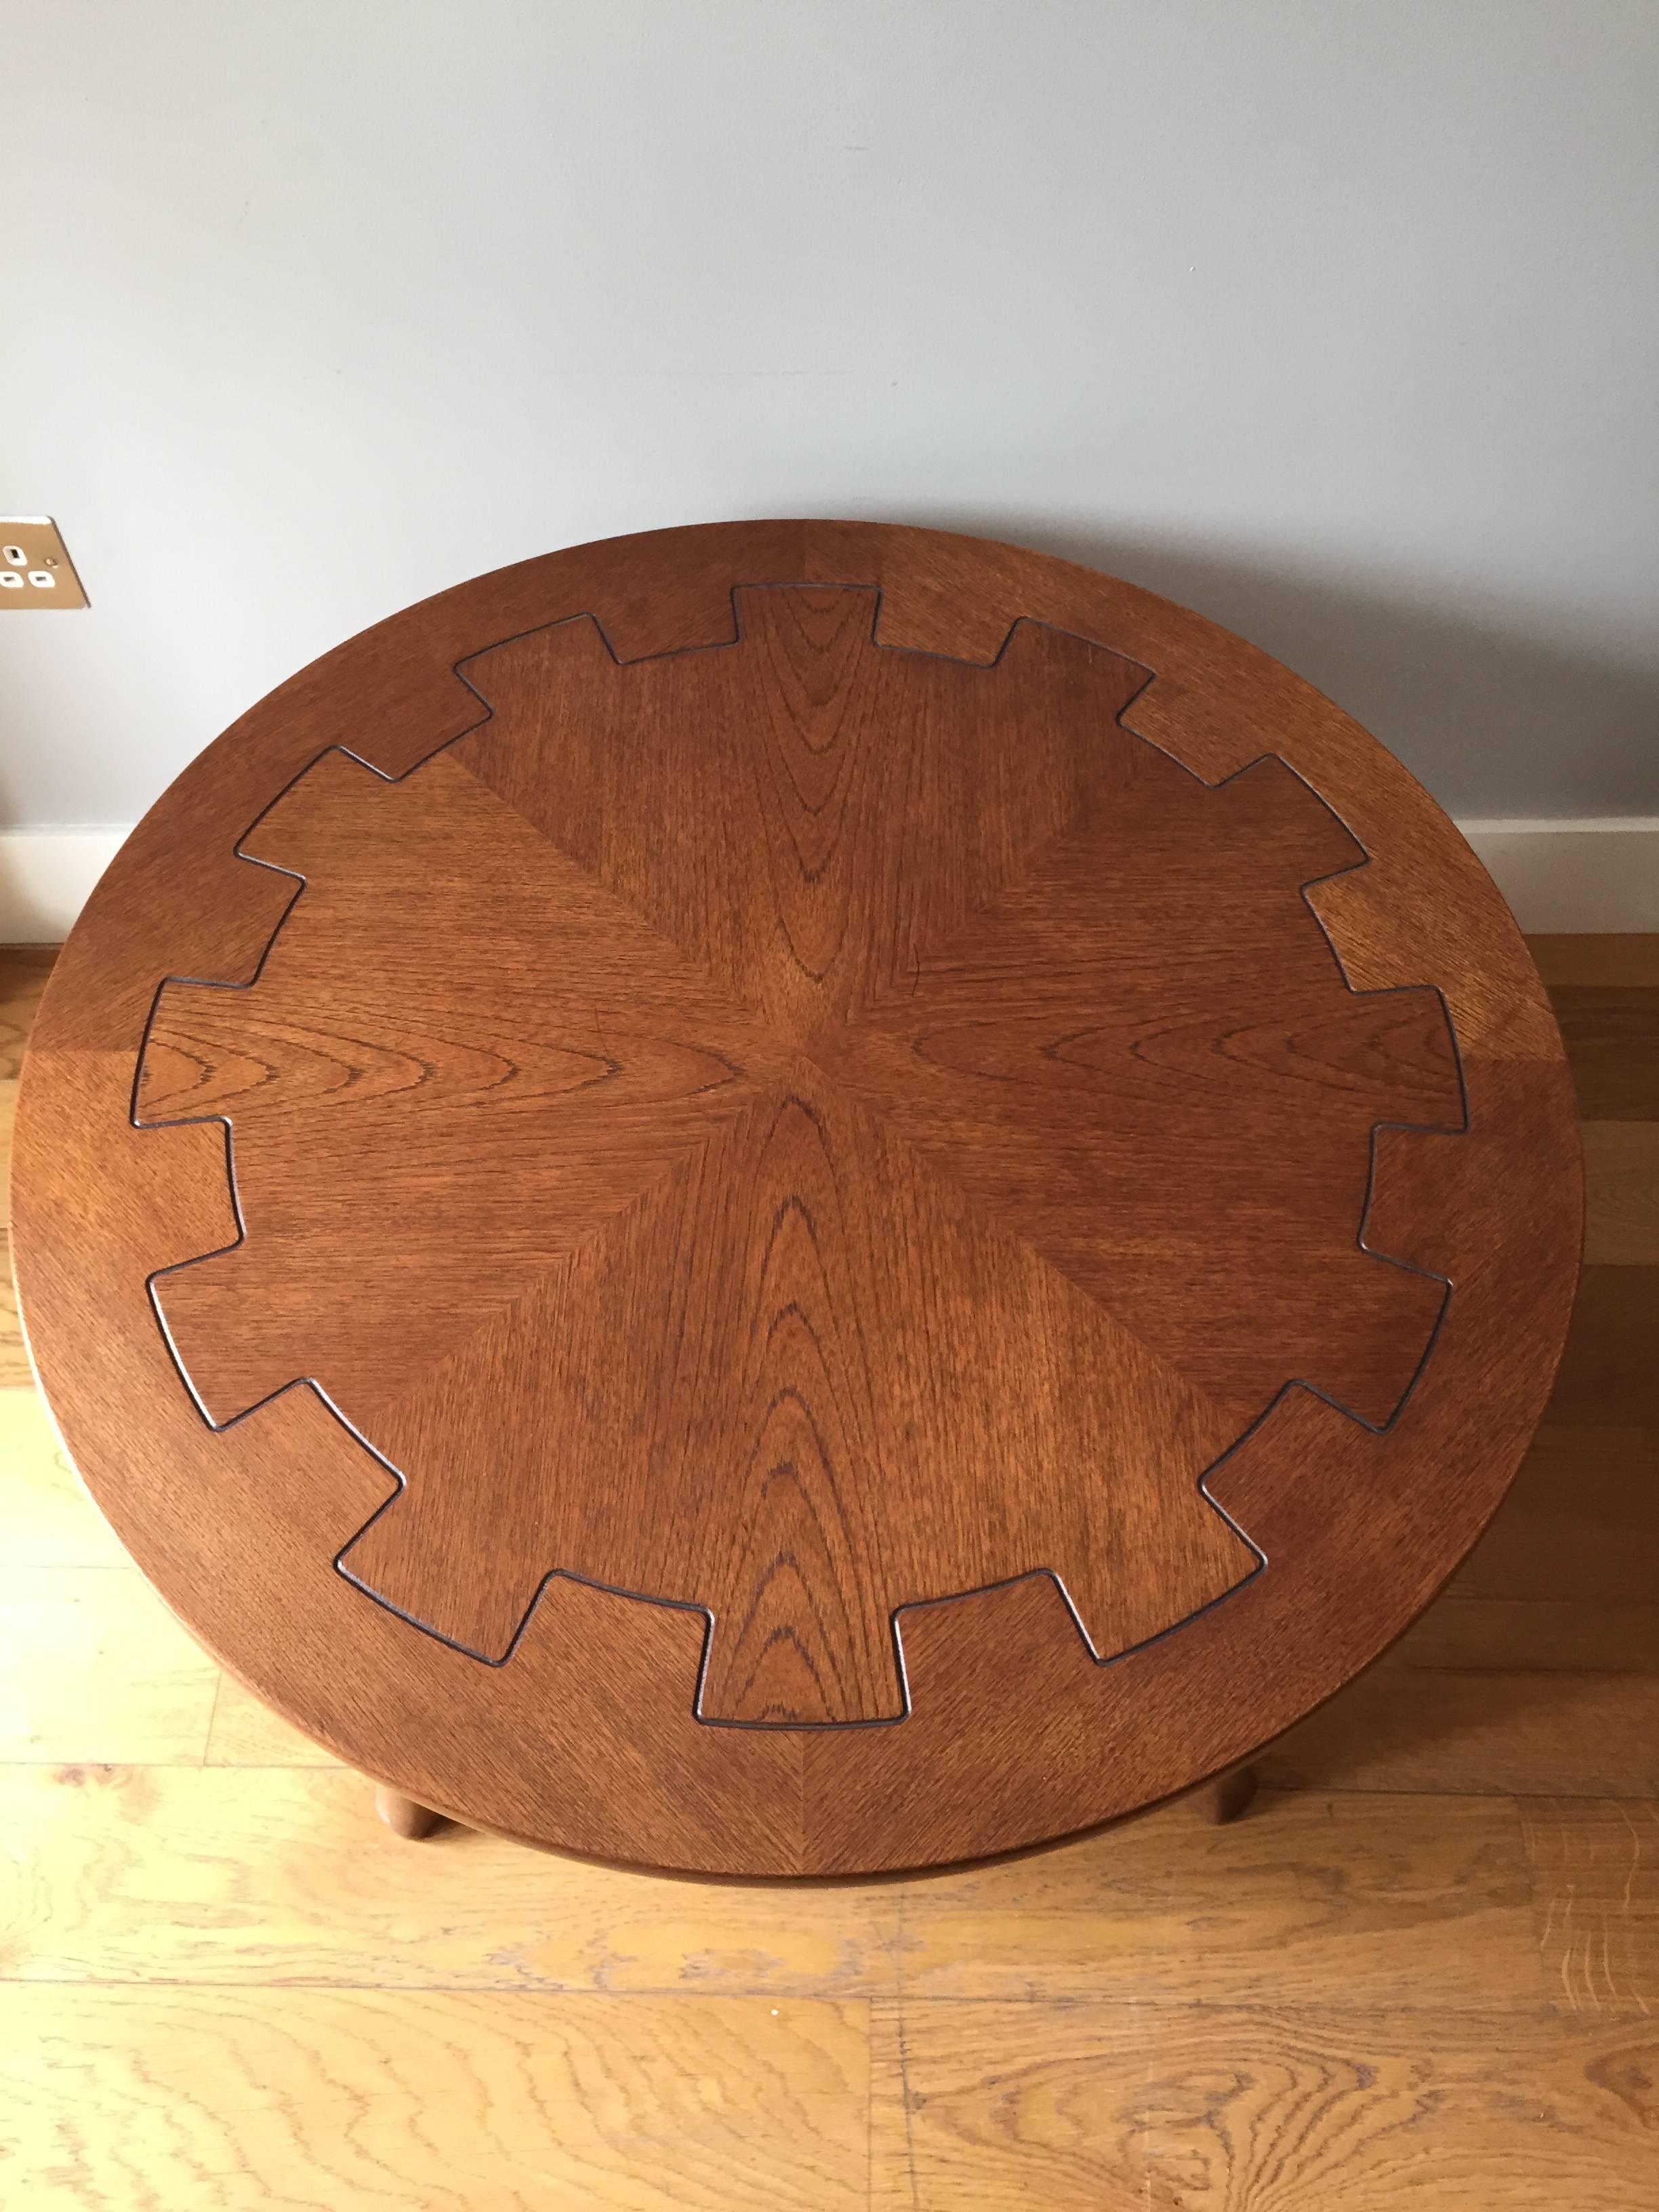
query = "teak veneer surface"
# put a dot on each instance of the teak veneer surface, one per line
(796, 1198)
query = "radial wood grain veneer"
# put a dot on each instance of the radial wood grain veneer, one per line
(796, 1198)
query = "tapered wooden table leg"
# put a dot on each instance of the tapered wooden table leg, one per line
(403, 1816)
(1228, 1795)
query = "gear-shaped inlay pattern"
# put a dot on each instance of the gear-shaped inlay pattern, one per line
(801, 1129)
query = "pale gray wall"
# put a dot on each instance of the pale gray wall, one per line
(1337, 320)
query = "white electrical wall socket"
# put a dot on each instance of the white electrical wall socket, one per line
(35, 568)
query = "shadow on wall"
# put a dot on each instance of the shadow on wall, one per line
(1498, 723)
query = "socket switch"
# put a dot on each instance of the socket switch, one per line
(35, 568)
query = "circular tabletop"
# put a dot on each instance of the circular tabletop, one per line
(796, 1198)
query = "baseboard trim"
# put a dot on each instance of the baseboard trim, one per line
(1560, 877)
(1575, 877)
(46, 877)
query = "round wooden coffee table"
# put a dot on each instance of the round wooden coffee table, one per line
(796, 1198)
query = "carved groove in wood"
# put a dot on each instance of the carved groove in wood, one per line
(799, 1130)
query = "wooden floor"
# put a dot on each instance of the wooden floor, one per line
(1424, 1972)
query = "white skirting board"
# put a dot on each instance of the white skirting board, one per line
(46, 877)
(1557, 876)
(1575, 877)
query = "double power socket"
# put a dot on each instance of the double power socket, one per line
(35, 568)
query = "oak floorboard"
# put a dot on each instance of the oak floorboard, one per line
(8, 1122)
(1621, 1193)
(1512, 1636)
(105, 1672)
(246, 1733)
(1627, 958)
(1113, 2107)
(285, 1877)
(1611, 1032)
(1391, 1900)
(1596, 1875)
(1508, 1733)
(1608, 1374)
(23, 972)
(47, 1519)
(15, 1372)
(1580, 1522)
(154, 2100)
